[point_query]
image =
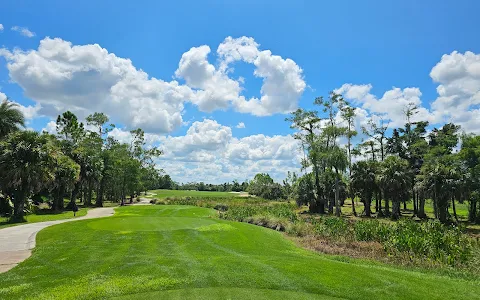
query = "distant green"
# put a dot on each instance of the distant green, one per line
(183, 252)
(159, 194)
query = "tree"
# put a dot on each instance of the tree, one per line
(66, 174)
(338, 160)
(394, 179)
(364, 182)
(377, 134)
(440, 169)
(26, 165)
(11, 119)
(289, 185)
(307, 123)
(470, 158)
(348, 115)
(263, 186)
(410, 144)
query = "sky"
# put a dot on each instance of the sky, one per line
(211, 82)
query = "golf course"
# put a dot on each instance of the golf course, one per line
(179, 252)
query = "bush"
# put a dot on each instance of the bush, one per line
(431, 239)
(332, 227)
(299, 229)
(371, 230)
(221, 207)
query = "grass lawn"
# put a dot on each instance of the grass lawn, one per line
(181, 252)
(159, 194)
(47, 216)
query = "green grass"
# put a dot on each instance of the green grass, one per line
(159, 194)
(184, 252)
(46, 216)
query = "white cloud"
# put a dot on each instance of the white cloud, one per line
(51, 127)
(29, 112)
(216, 89)
(283, 82)
(458, 101)
(458, 76)
(391, 105)
(240, 125)
(87, 78)
(209, 153)
(23, 31)
(1, 27)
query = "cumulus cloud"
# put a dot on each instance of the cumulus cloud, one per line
(215, 89)
(240, 125)
(23, 31)
(458, 75)
(208, 152)
(51, 127)
(29, 112)
(283, 82)
(1, 27)
(391, 105)
(86, 78)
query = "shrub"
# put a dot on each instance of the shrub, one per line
(371, 230)
(299, 229)
(332, 227)
(221, 207)
(431, 239)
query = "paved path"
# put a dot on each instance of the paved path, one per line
(16, 242)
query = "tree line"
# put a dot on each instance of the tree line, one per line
(411, 163)
(75, 163)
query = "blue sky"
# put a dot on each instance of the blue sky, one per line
(372, 45)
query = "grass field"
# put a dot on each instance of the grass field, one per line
(181, 252)
(159, 194)
(50, 216)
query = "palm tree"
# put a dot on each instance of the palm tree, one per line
(395, 182)
(338, 159)
(364, 183)
(26, 165)
(10, 118)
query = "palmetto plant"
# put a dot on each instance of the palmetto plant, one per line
(25, 166)
(11, 118)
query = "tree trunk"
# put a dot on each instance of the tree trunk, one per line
(414, 199)
(58, 199)
(74, 195)
(367, 202)
(99, 200)
(421, 208)
(387, 207)
(472, 211)
(442, 213)
(379, 209)
(18, 206)
(454, 208)
(395, 209)
(338, 210)
(404, 204)
(88, 198)
(321, 204)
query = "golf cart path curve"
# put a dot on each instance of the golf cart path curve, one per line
(17, 242)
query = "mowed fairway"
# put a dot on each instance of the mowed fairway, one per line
(183, 252)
